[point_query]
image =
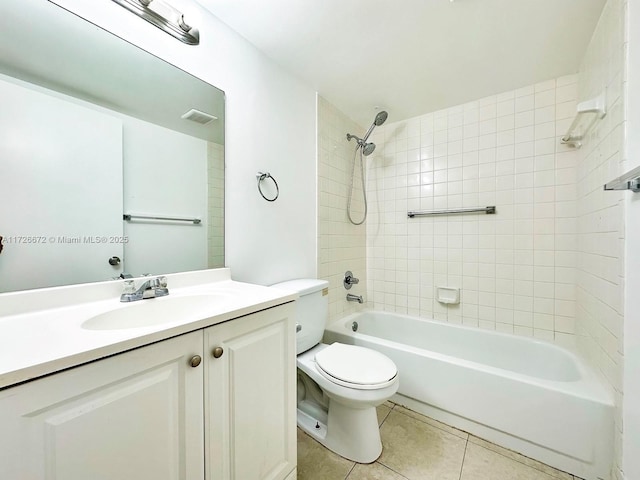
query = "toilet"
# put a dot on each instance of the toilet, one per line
(339, 386)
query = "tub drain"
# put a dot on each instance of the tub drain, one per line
(354, 326)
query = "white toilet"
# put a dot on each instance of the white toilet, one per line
(339, 386)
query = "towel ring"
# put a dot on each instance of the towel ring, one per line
(263, 176)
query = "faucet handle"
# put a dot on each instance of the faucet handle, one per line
(349, 279)
(129, 286)
(158, 282)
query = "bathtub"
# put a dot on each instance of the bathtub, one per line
(527, 395)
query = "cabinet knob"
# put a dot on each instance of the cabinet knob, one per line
(195, 360)
(217, 352)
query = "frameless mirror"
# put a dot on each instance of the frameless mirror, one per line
(111, 159)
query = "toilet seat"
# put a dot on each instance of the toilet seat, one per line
(355, 367)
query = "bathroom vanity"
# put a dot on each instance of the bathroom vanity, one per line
(207, 394)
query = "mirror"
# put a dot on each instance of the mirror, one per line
(112, 159)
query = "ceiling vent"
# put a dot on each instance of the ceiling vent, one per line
(199, 117)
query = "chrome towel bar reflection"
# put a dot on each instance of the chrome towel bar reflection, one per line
(487, 210)
(128, 217)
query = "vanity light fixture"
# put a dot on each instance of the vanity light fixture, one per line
(165, 17)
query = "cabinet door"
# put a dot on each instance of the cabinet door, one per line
(250, 397)
(137, 415)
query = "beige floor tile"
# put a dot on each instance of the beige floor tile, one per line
(419, 451)
(484, 464)
(373, 471)
(432, 422)
(382, 411)
(521, 458)
(315, 462)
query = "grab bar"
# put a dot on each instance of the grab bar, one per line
(128, 217)
(488, 210)
(628, 181)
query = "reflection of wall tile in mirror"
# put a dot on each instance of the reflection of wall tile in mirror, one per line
(215, 200)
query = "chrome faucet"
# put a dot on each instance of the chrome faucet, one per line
(354, 298)
(349, 280)
(154, 287)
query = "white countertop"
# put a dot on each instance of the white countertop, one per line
(41, 332)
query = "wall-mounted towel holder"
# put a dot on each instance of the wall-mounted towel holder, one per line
(490, 210)
(588, 112)
(260, 176)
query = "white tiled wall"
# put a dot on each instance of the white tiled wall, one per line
(600, 274)
(342, 246)
(515, 269)
(215, 204)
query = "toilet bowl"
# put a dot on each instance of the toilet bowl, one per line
(339, 386)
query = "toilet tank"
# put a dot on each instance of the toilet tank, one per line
(311, 310)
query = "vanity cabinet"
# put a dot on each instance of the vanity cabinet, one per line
(250, 399)
(136, 415)
(167, 411)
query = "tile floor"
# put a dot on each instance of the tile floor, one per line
(416, 447)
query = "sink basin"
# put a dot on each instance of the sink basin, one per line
(156, 311)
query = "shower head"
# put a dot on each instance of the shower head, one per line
(368, 148)
(381, 117)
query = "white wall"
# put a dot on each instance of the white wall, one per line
(270, 126)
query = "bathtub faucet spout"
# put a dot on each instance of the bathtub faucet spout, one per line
(354, 298)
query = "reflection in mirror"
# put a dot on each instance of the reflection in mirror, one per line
(93, 129)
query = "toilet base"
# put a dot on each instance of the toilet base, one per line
(351, 433)
(347, 419)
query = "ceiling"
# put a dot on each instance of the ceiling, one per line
(414, 56)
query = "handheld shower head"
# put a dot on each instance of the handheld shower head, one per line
(381, 118)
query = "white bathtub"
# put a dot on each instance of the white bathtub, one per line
(527, 395)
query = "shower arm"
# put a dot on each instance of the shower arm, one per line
(359, 140)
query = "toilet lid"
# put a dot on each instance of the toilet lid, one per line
(356, 367)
